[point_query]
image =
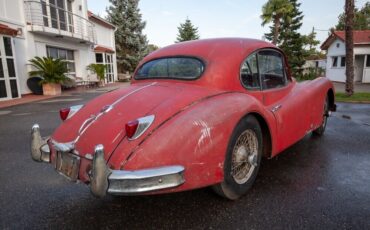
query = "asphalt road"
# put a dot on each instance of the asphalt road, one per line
(319, 183)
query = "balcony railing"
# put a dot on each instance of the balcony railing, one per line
(48, 18)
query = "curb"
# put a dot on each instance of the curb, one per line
(354, 102)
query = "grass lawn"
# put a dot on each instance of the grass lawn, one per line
(356, 97)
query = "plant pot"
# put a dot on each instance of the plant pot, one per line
(52, 89)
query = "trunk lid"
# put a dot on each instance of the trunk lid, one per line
(138, 100)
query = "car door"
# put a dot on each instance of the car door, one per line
(282, 99)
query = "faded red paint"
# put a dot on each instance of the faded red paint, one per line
(194, 119)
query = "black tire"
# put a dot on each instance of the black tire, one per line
(320, 131)
(234, 186)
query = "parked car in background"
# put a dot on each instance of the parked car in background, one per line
(200, 113)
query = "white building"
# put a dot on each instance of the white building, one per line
(336, 52)
(57, 28)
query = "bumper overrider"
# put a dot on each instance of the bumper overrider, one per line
(104, 180)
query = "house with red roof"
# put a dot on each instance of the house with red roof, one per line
(56, 28)
(336, 52)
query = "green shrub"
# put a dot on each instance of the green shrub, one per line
(310, 74)
(49, 69)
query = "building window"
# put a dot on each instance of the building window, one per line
(107, 60)
(368, 61)
(338, 45)
(338, 61)
(335, 61)
(343, 62)
(99, 58)
(64, 54)
(109, 64)
(44, 13)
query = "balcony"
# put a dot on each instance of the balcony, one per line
(51, 20)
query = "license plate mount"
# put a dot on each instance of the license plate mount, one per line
(68, 165)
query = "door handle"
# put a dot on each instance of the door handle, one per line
(275, 108)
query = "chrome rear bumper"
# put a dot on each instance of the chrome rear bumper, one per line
(39, 148)
(123, 182)
(104, 180)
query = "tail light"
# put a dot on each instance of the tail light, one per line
(66, 113)
(135, 128)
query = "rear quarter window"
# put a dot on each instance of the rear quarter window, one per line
(186, 68)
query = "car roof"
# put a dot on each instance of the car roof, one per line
(209, 49)
(222, 57)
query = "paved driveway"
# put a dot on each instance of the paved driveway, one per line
(319, 183)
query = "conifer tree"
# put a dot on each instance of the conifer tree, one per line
(311, 42)
(131, 43)
(187, 32)
(289, 39)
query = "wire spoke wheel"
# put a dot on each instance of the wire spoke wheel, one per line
(244, 156)
(242, 160)
(326, 113)
(320, 130)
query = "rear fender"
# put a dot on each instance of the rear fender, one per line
(319, 89)
(196, 138)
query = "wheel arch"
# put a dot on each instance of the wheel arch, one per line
(266, 133)
(330, 95)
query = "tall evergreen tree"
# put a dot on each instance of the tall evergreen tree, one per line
(131, 43)
(311, 42)
(187, 31)
(292, 42)
(289, 39)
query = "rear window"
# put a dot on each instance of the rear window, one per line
(186, 68)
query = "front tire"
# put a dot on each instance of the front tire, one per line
(243, 159)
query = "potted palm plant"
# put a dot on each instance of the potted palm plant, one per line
(52, 71)
(99, 70)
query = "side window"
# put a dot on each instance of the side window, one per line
(249, 73)
(271, 69)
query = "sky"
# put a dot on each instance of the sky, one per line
(224, 18)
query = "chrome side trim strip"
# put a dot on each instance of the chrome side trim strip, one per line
(106, 109)
(144, 124)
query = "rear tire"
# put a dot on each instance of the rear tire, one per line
(320, 131)
(243, 159)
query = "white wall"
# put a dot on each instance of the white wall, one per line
(29, 44)
(337, 48)
(361, 50)
(105, 37)
(339, 73)
(11, 11)
(83, 53)
(12, 15)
